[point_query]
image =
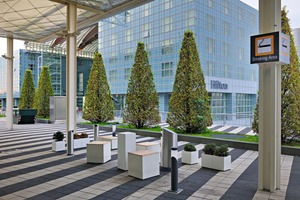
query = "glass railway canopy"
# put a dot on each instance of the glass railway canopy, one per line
(44, 20)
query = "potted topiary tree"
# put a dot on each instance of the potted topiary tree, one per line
(58, 143)
(216, 157)
(189, 154)
(26, 113)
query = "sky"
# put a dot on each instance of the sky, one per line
(292, 7)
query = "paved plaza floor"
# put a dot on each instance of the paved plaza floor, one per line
(30, 170)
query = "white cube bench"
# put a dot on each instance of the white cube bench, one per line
(98, 152)
(143, 164)
(113, 140)
(152, 146)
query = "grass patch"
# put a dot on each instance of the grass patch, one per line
(2, 115)
(42, 117)
(154, 129)
(101, 123)
(208, 133)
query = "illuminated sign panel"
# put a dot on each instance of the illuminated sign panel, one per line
(270, 47)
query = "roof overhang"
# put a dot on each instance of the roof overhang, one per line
(43, 20)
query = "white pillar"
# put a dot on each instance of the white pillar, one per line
(9, 84)
(269, 104)
(71, 67)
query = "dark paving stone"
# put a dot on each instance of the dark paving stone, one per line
(216, 127)
(245, 130)
(45, 178)
(25, 147)
(36, 158)
(245, 185)
(75, 186)
(227, 136)
(134, 185)
(293, 190)
(230, 129)
(196, 180)
(4, 157)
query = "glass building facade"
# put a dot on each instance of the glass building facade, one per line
(222, 30)
(34, 60)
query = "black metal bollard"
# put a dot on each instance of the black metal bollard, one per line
(174, 171)
(70, 143)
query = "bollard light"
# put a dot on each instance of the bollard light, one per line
(70, 142)
(174, 171)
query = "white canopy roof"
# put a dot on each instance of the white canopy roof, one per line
(43, 20)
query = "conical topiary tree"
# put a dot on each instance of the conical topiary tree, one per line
(255, 127)
(141, 108)
(43, 93)
(27, 92)
(290, 89)
(98, 106)
(189, 108)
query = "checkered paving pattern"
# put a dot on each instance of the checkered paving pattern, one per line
(30, 170)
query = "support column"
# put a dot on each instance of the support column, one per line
(9, 84)
(71, 67)
(269, 104)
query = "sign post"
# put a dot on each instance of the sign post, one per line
(269, 50)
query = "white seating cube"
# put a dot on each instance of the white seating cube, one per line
(98, 152)
(126, 143)
(152, 146)
(143, 164)
(113, 140)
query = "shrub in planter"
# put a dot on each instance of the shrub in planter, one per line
(189, 147)
(80, 140)
(189, 154)
(210, 148)
(216, 157)
(84, 135)
(58, 143)
(222, 151)
(58, 136)
(76, 136)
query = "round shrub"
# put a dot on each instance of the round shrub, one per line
(222, 150)
(189, 147)
(84, 135)
(76, 136)
(210, 148)
(59, 136)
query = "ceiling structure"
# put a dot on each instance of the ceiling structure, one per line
(45, 20)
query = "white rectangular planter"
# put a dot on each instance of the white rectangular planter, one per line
(58, 145)
(216, 162)
(81, 142)
(189, 157)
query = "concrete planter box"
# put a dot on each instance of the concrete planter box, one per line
(58, 145)
(189, 157)
(216, 162)
(81, 143)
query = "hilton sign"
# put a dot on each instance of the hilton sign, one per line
(218, 85)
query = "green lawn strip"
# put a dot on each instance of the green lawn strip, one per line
(154, 129)
(209, 133)
(2, 115)
(42, 117)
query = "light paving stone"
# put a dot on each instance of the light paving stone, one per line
(222, 181)
(286, 163)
